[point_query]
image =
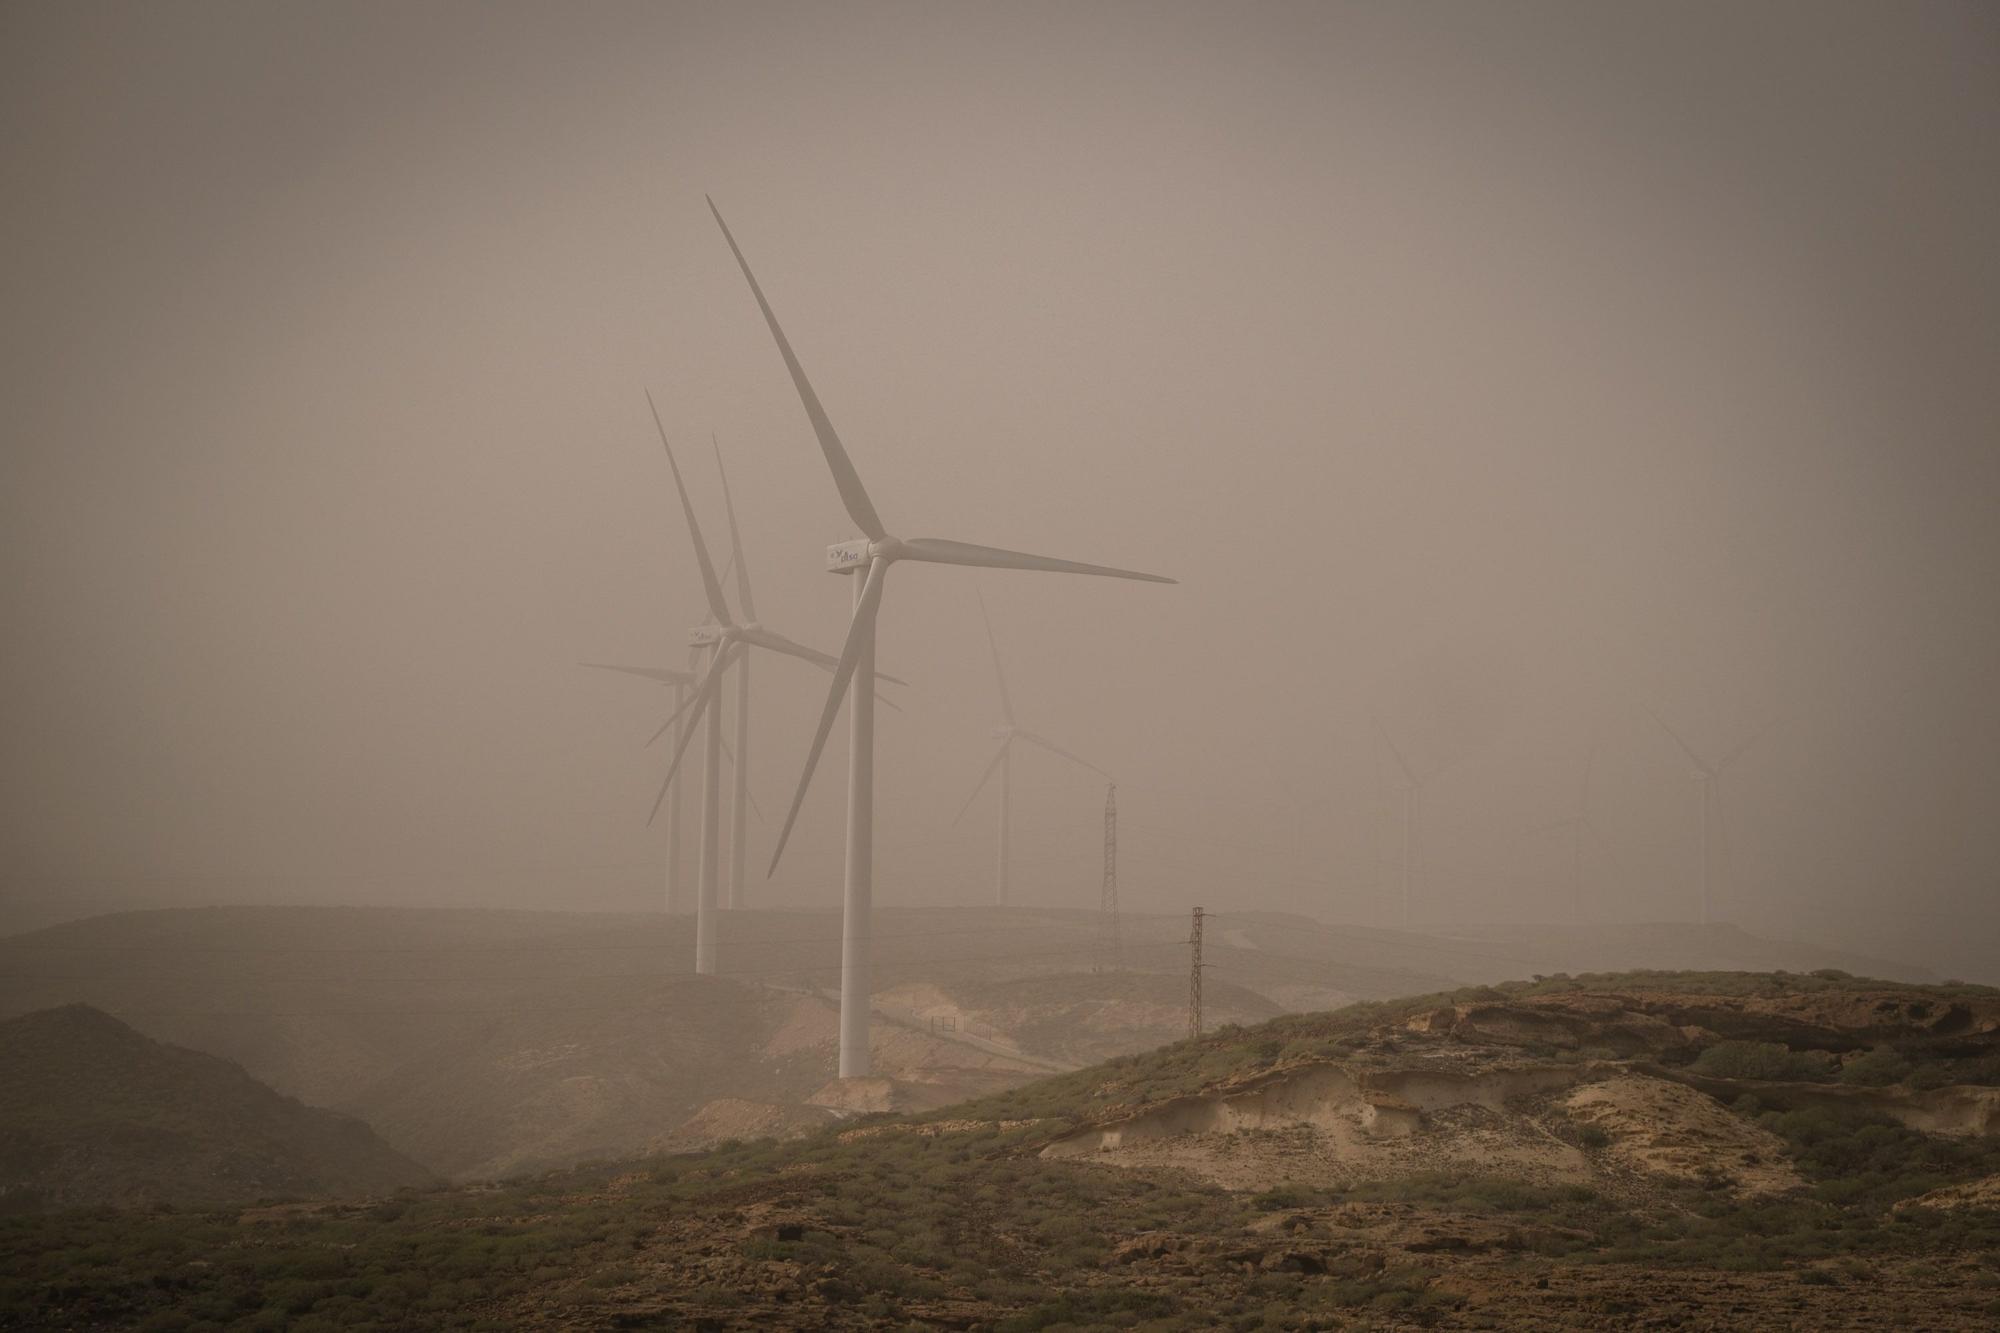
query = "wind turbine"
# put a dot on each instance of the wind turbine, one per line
(1580, 827)
(681, 681)
(1003, 762)
(1413, 800)
(870, 557)
(1706, 776)
(739, 805)
(725, 640)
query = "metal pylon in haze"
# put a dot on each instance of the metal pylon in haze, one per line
(1003, 764)
(854, 678)
(682, 681)
(1706, 775)
(725, 640)
(1111, 948)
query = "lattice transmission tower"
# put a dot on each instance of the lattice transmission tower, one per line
(1194, 979)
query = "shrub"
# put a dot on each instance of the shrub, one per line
(1764, 1060)
(1875, 1069)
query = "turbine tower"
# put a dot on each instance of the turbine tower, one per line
(1003, 763)
(1111, 948)
(739, 803)
(680, 680)
(1413, 802)
(725, 640)
(871, 558)
(1706, 776)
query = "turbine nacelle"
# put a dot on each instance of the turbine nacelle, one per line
(846, 557)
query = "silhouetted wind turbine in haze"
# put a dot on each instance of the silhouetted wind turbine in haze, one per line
(725, 641)
(871, 558)
(681, 681)
(739, 829)
(1579, 826)
(1707, 774)
(1413, 799)
(1003, 762)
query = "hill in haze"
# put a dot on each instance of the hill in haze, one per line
(92, 1112)
(486, 1043)
(1720, 1150)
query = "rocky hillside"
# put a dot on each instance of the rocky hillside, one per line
(92, 1112)
(484, 1043)
(1649, 1150)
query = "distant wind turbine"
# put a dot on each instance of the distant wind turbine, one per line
(1003, 762)
(870, 557)
(739, 805)
(1413, 803)
(1580, 826)
(1706, 775)
(681, 681)
(725, 640)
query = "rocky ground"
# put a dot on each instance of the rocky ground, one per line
(1698, 1151)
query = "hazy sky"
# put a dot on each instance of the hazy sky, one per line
(1505, 369)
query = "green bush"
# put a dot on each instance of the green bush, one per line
(1764, 1060)
(1876, 1069)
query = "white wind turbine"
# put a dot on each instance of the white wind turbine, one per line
(725, 640)
(1003, 761)
(681, 681)
(1413, 804)
(870, 557)
(1706, 775)
(739, 805)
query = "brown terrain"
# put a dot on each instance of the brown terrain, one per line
(488, 1043)
(93, 1113)
(1566, 1154)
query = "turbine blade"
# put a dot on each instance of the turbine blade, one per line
(711, 687)
(992, 767)
(778, 643)
(845, 479)
(858, 629)
(1053, 748)
(672, 717)
(1693, 758)
(825, 663)
(1409, 773)
(709, 583)
(1737, 753)
(665, 675)
(939, 551)
(735, 539)
(1006, 704)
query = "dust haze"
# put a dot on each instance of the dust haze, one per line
(1491, 378)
